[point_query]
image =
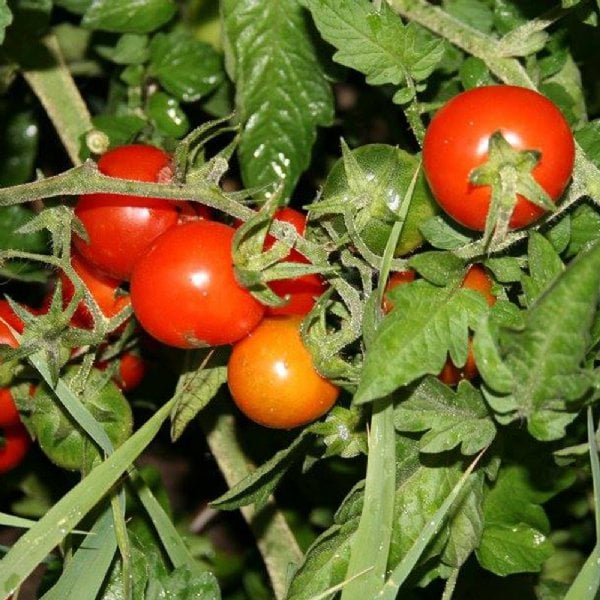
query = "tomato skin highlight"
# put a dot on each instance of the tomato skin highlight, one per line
(272, 378)
(121, 227)
(184, 291)
(14, 447)
(456, 142)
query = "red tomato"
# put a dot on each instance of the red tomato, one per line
(6, 336)
(9, 413)
(184, 291)
(456, 142)
(13, 447)
(191, 211)
(103, 288)
(303, 290)
(272, 378)
(120, 227)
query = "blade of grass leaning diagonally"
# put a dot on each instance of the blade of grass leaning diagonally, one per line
(390, 589)
(34, 545)
(85, 573)
(587, 583)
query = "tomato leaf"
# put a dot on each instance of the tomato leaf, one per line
(281, 91)
(376, 42)
(544, 265)
(545, 355)
(197, 386)
(514, 536)
(426, 324)
(186, 67)
(450, 418)
(142, 16)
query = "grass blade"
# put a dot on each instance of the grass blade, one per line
(86, 571)
(587, 582)
(405, 567)
(372, 539)
(39, 541)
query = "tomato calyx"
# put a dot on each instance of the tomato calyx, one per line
(508, 172)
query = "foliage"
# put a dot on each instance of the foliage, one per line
(408, 487)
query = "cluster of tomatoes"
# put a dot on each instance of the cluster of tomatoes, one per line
(172, 262)
(177, 263)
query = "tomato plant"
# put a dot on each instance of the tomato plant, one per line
(120, 227)
(272, 378)
(184, 291)
(14, 443)
(457, 142)
(435, 439)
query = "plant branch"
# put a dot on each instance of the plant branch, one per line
(56, 90)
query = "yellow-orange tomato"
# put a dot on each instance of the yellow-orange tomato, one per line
(272, 378)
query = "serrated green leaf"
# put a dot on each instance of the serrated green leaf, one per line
(450, 418)
(545, 357)
(441, 234)
(426, 324)
(142, 16)
(506, 269)
(186, 67)
(544, 266)
(375, 42)
(75, 6)
(282, 94)
(259, 485)
(196, 388)
(585, 227)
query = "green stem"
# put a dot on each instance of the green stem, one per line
(56, 90)
(275, 540)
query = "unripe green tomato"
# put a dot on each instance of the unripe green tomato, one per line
(387, 172)
(58, 435)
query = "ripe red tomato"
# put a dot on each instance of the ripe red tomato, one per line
(272, 378)
(184, 291)
(120, 227)
(302, 291)
(105, 290)
(456, 142)
(13, 447)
